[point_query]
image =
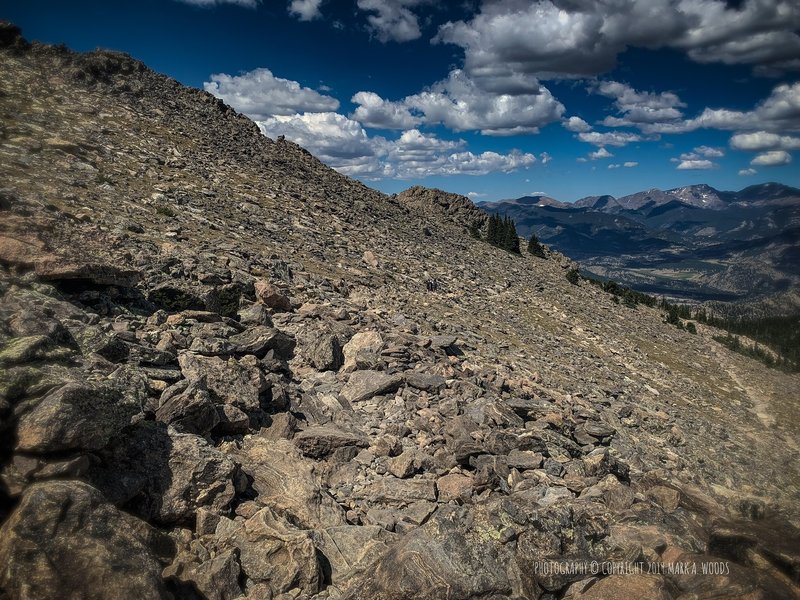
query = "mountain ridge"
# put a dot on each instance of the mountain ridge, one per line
(687, 195)
(691, 242)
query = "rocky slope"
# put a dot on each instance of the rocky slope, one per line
(222, 376)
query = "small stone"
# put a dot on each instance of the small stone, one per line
(272, 296)
(402, 466)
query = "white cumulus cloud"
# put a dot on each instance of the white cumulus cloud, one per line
(600, 153)
(259, 94)
(609, 138)
(374, 111)
(763, 140)
(459, 104)
(773, 158)
(305, 10)
(582, 38)
(392, 20)
(336, 140)
(576, 125)
(343, 144)
(695, 165)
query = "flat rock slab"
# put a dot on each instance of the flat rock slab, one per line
(96, 273)
(364, 385)
(287, 483)
(454, 487)
(321, 440)
(400, 490)
(424, 381)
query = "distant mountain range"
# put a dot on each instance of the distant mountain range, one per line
(693, 242)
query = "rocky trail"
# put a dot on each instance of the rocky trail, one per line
(222, 376)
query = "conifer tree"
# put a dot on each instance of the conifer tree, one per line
(510, 237)
(535, 246)
(493, 230)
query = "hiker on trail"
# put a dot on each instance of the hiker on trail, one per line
(432, 285)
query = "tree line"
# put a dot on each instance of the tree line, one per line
(780, 334)
(502, 232)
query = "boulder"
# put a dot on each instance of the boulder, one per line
(428, 382)
(272, 296)
(363, 385)
(65, 541)
(260, 339)
(255, 314)
(187, 406)
(326, 352)
(76, 416)
(287, 483)
(232, 421)
(218, 578)
(524, 460)
(369, 259)
(402, 466)
(454, 487)
(164, 475)
(396, 491)
(349, 548)
(278, 555)
(31, 348)
(235, 382)
(364, 347)
(666, 497)
(86, 272)
(320, 441)
(443, 561)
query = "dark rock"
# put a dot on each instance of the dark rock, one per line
(424, 381)
(320, 441)
(64, 540)
(74, 417)
(259, 340)
(90, 273)
(326, 352)
(164, 475)
(524, 460)
(363, 385)
(236, 382)
(188, 408)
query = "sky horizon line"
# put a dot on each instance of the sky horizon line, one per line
(489, 99)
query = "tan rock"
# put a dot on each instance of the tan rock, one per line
(272, 296)
(454, 487)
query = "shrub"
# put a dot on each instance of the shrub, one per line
(573, 276)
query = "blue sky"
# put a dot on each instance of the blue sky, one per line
(492, 98)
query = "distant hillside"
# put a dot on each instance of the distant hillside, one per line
(694, 242)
